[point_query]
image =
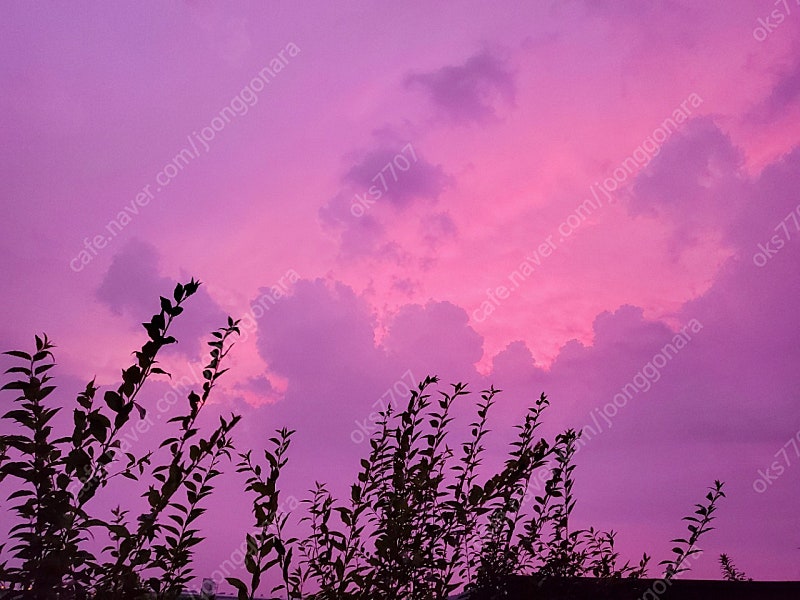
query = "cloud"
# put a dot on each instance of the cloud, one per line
(358, 235)
(701, 403)
(392, 174)
(132, 281)
(324, 334)
(690, 170)
(694, 184)
(782, 97)
(381, 170)
(405, 286)
(260, 386)
(132, 285)
(318, 332)
(698, 187)
(692, 406)
(469, 92)
(438, 226)
(322, 340)
(514, 371)
(434, 339)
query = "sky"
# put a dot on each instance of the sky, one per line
(596, 200)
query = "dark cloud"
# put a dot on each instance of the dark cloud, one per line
(698, 186)
(358, 235)
(392, 174)
(469, 92)
(133, 282)
(764, 203)
(132, 285)
(259, 385)
(782, 98)
(381, 170)
(322, 340)
(405, 286)
(435, 339)
(690, 171)
(318, 332)
(694, 183)
(438, 226)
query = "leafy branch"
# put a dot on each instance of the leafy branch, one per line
(699, 525)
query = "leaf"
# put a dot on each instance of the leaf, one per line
(15, 385)
(240, 586)
(260, 488)
(141, 410)
(43, 368)
(152, 331)
(24, 370)
(114, 401)
(20, 416)
(98, 426)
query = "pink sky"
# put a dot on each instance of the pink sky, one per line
(483, 130)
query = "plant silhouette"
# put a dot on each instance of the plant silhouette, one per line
(421, 520)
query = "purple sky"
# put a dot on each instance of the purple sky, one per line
(538, 196)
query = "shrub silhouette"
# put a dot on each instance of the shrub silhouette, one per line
(699, 527)
(729, 570)
(49, 558)
(420, 521)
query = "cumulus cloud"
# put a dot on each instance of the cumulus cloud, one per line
(381, 170)
(358, 235)
(437, 227)
(132, 285)
(684, 399)
(322, 340)
(764, 203)
(782, 98)
(394, 174)
(325, 337)
(468, 92)
(691, 171)
(133, 279)
(434, 339)
(320, 331)
(674, 405)
(259, 385)
(694, 185)
(635, 389)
